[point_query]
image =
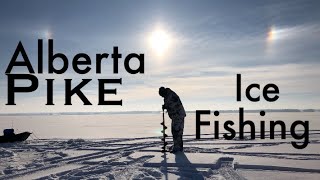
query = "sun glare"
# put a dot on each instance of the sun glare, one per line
(160, 41)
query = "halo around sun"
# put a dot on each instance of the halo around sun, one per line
(160, 41)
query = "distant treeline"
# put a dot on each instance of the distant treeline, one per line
(273, 110)
(266, 110)
(151, 112)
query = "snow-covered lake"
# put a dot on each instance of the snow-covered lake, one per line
(138, 125)
(127, 146)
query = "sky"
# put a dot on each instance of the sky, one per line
(195, 48)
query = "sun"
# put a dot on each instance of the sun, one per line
(160, 41)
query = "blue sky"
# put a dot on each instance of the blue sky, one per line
(210, 42)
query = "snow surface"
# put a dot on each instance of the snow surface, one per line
(139, 156)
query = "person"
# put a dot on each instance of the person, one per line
(176, 112)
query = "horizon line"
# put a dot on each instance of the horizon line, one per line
(150, 111)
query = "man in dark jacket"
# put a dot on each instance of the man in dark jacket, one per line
(177, 114)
